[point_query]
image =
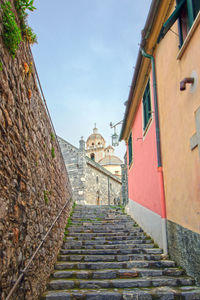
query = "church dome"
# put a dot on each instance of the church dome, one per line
(110, 160)
(95, 139)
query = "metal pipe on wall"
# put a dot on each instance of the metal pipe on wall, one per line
(159, 157)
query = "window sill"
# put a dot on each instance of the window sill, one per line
(189, 36)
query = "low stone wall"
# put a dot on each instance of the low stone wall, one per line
(33, 180)
(75, 164)
(184, 248)
(102, 187)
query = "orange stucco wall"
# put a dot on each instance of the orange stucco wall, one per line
(181, 165)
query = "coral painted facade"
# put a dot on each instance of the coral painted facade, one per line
(164, 174)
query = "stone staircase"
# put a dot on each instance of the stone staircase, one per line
(106, 256)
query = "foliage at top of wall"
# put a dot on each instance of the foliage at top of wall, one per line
(21, 7)
(12, 33)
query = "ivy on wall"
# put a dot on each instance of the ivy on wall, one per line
(12, 33)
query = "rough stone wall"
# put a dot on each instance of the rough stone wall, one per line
(83, 174)
(34, 186)
(75, 163)
(101, 184)
(184, 248)
(125, 182)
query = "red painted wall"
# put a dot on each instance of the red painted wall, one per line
(143, 176)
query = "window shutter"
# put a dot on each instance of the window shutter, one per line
(172, 19)
(130, 153)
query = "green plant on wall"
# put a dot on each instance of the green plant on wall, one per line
(27, 32)
(11, 32)
(53, 152)
(46, 198)
(1, 66)
(22, 5)
(52, 136)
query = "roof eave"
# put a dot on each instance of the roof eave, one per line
(144, 36)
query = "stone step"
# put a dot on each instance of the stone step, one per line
(107, 245)
(122, 273)
(60, 284)
(60, 265)
(159, 293)
(107, 256)
(105, 234)
(103, 230)
(105, 237)
(103, 223)
(95, 258)
(110, 251)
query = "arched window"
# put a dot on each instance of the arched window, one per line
(92, 156)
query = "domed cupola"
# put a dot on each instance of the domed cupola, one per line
(95, 145)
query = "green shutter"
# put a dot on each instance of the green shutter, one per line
(130, 153)
(146, 105)
(196, 7)
(172, 19)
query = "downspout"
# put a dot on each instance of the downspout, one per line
(159, 158)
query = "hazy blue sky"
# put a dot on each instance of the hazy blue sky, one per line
(85, 56)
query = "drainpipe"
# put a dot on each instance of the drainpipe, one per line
(108, 190)
(159, 158)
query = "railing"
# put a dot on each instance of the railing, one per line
(36, 251)
(68, 202)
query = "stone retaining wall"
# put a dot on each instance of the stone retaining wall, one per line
(33, 180)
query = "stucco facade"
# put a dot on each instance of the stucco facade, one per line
(168, 57)
(144, 189)
(177, 125)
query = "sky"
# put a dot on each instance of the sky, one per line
(85, 58)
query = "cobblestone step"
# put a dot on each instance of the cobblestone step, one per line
(103, 245)
(158, 293)
(122, 273)
(110, 251)
(60, 265)
(107, 256)
(106, 233)
(60, 284)
(101, 230)
(106, 237)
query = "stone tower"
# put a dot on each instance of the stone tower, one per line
(95, 146)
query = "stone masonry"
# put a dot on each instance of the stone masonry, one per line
(33, 180)
(107, 256)
(89, 179)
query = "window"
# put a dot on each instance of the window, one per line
(146, 106)
(92, 156)
(186, 12)
(97, 179)
(187, 15)
(130, 153)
